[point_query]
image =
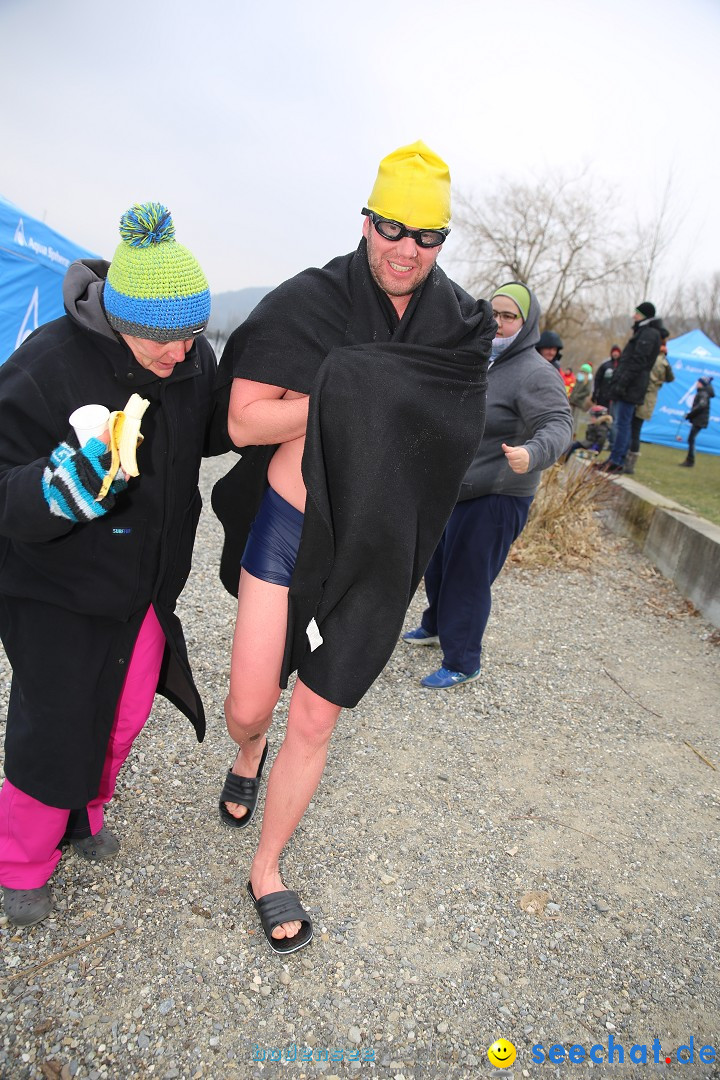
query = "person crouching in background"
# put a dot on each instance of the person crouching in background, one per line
(597, 432)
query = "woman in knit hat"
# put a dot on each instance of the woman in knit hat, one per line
(580, 397)
(527, 427)
(96, 540)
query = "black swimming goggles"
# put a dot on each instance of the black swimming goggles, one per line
(395, 230)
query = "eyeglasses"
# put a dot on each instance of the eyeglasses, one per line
(395, 230)
(504, 316)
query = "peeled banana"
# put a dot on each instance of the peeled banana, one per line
(125, 437)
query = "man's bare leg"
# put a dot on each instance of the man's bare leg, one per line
(257, 652)
(258, 648)
(293, 781)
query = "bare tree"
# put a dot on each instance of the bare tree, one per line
(706, 307)
(557, 234)
(654, 238)
(696, 304)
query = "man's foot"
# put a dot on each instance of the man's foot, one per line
(418, 636)
(25, 907)
(276, 904)
(95, 848)
(269, 884)
(242, 787)
(686, 464)
(445, 679)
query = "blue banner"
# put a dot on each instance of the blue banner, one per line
(691, 356)
(33, 261)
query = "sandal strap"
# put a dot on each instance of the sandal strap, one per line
(281, 907)
(243, 789)
(240, 789)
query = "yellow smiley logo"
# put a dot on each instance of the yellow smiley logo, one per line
(501, 1054)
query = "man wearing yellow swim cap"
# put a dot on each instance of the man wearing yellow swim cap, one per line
(408, 215)
(358, 396)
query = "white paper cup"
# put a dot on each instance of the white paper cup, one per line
(90, 421)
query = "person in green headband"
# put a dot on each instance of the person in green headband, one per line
(527, 428)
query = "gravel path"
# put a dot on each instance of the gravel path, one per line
(577, 768)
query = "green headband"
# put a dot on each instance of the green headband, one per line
(518, 293)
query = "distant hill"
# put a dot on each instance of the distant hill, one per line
(228, 310)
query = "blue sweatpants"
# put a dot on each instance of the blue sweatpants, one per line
(463, 567)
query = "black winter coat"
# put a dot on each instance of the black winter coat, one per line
(601, 383)
(699, 415)
(630, 381)
(72, 596)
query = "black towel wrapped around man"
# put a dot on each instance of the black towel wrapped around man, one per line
(396, 414)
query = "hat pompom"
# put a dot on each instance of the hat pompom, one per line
(146, 223)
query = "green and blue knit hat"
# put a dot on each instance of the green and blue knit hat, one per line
(155, 288)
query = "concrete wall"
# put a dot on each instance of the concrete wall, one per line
(683, 547)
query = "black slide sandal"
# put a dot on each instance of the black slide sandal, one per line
(281, 907)
(243, 790)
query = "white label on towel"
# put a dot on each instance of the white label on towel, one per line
(314, 635)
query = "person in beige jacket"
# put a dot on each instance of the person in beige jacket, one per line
(660, 374)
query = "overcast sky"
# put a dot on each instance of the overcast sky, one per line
(260, 125)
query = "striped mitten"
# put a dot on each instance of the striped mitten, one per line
(73, 477)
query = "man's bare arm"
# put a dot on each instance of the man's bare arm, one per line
(262, 415)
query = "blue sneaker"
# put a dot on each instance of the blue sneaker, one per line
(445, 679)
(418, 636)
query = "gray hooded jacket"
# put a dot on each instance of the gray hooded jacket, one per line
(526, 406)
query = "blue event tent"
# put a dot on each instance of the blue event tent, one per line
(691, 355)
(33, 261)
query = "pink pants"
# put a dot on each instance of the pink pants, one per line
(30, 831)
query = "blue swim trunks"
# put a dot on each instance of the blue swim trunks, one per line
(272, 546)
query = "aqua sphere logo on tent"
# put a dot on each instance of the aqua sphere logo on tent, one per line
(46, 250)
(613, 1053)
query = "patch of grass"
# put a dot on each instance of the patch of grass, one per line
(698, 488)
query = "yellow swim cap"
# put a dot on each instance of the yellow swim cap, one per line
(413, 186)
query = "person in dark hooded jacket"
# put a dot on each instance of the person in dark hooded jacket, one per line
(92, 558)
(630, 381)
(550, 347)
(603, 378)
(527, 428)
(699, 415)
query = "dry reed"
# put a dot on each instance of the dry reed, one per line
(563, 526)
